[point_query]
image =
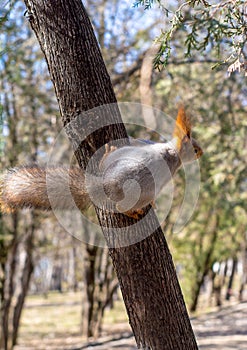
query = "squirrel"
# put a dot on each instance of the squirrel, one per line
(130, 176)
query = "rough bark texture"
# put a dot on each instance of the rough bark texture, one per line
(230, 283)
(25, 278)
(9, 289)
(146, 273)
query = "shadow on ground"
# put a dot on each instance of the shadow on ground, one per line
(224, 329)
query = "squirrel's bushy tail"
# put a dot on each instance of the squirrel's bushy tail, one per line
(43, 188)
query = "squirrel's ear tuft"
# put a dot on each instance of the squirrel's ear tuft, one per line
(183, 124)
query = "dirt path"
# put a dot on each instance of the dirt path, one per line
(225, 329)
(221, 330)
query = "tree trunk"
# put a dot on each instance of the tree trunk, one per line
(3, 261)
(9, 287)
(100, 283)
(244, 274)
(72, 278)
(89, 300)
(229, 287)
(26, 274)
(107, 285)
(145, 270)
(146, 94)
(204, 266)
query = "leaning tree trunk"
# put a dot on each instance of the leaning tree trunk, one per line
(145, 270)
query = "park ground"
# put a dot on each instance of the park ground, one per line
(53, 323)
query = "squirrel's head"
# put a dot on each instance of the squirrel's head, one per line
(187, 147)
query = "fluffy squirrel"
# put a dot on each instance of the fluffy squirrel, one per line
(130, 177)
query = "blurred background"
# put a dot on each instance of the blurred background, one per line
(57, 292)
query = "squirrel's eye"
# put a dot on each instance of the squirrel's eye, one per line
(195, 150)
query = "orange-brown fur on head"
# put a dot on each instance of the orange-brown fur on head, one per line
(183, 126)
(187, 147)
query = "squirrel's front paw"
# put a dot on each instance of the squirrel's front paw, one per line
(108, 150)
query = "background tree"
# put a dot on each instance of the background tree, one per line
(22, 96)
(207, 31)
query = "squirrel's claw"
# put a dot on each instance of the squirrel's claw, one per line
(108, 150)
(135, 214)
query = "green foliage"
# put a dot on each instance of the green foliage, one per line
(217, 229)
(146, 3)
(208, 28)
(6, 8)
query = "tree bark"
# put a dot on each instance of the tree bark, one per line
(9, 288)
(244, 274)
(25, 278)
(204, 263)
(230, 283)
(145, 270)
(89, 300)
